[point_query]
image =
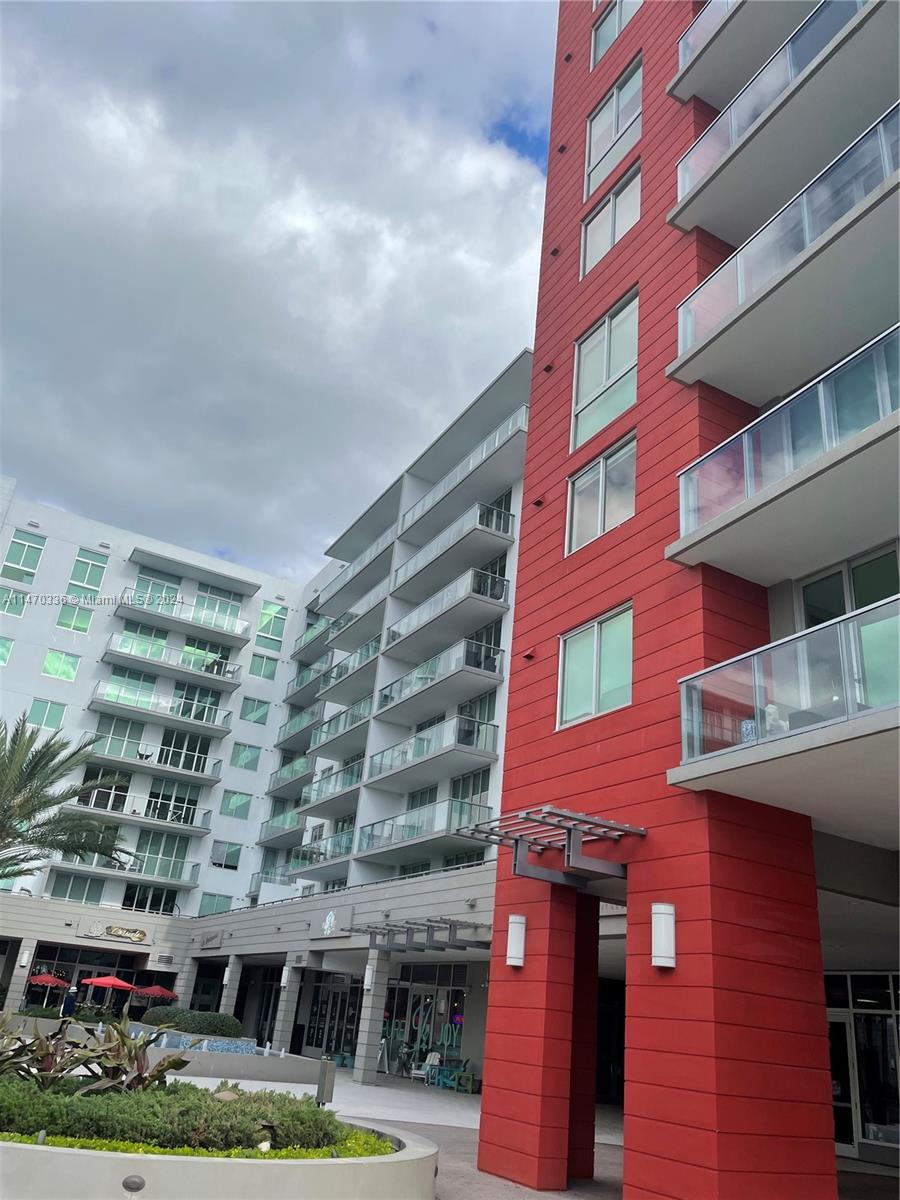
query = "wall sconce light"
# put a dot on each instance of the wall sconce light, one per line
(515, 941)
(662, 935)
(24, 959)
(369, 977)
(226, 975)
(442, 1005)
(285, 976)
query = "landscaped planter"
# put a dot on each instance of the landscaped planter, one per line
(49, 1172)
(174, 1039)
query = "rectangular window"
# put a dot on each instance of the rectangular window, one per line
(226, 855)
(308, 889)
(595, 668)
(143, 898)
(415, 868)
(223, 606)
(473, 786)
(602, 496)
(254, 710)
(210, 903)
(263, 666)
(611, 221)
(614, 128)
(6, 645)
(60, 665)
(23, 556)
(172, 800)
(335, 885)
(12, 603)
(73, 617)
(468, 858)
(87, 574)
(80, 889)
(157, 592)
(236, 804)
(245, 756)
(422, 798)
(611, 25)
(606, 371)
(271, 625)
(46, 714)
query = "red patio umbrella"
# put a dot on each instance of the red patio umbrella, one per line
(157, 992)
(109, 981)
(48, 981)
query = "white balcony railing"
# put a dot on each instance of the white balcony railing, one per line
(154, 866)
(310, 634)
(479, 516)
(331, 783)
(292, 770)
(445, 816)
(456, 731)
(194, 761)
(472, 583)
(170, 811)
(351, 663)
(283, 823)
(353, 569)
(312, 853)
(300, 720)
(455, 658)
(308, 674)
(342, 721)
(361, 607)
(208, 618)
(701, 29)
(113, 692)
(145, 649)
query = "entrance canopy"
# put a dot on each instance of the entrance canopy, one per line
(428, 933)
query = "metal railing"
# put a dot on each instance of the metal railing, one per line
(209, 618)
(472, 583)
(156, 866)
(846, 182)
(361, 607)
(310, 854)
(114, 692)
(513, 424)
(832, 672)
(292, 770)
(845, 400)
(342, 721)
(194, 761)
(275, 875)
(309, 673)
(283, 823)
(483, 516)
(300, 720)
(351, 663)
(455, 731)
(769, 82)
(352, 569)
(206, 662)
(463, 654)
(310, 635)
(444, 816)
(701, 29)
(331, 783)
(170, 810)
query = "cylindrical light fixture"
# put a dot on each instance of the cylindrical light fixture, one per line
(515, 941)
(285, 976)
(369, 977)
(226, 975)
(662, 935)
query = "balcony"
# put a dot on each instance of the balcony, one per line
(468, 603)
(362, 622)
(837, 239)
(274, 877)
(493, 466)
(123, 699)
(399, 839)
(722, 48)
(165, 761)
(359, 576)
(442, 683)
(135, 868)
(353, 677)
(177, 816)
(479, 535)
(287, 782)
(796, 114)
(335, 793)
(184, 618)
(754, 506)
(303, 687)
(195, 666)
(310, 644)
(457, 745)
(344, 734)
(284, 830)
(325, 858)
(808, 724)
(296, 733)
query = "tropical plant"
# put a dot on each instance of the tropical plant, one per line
(32, 825)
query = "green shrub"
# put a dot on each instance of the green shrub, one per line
(357, 1144)
(188, 1020)
(83, 1013)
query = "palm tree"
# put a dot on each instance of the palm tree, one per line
(32, 824)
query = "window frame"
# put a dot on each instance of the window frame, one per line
(48, 705)
(631, 297)
(66, 654)
(630, 439)
(612, 10)
(246, 805)
(28, 541)
(613, 94)
(844, 567)
(88, 559)
(270, 614)
(226, 849)
(264, 704)
(235, 746)
(595, 622)
(11, 599)
(610, 197)
(6, 649)
(80, 612)
(256, 657)
(216, 909)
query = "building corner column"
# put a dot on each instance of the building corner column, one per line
(288, 996)
(230, 981)
(371, 1019)
(19, 981)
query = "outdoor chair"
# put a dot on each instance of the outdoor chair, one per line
(427, 1070)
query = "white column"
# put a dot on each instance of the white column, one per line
(19, 979)
(287, 1008)
(371, 1020)
(231, 980)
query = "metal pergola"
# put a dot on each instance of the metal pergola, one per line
(441, 933)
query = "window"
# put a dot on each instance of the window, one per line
(236, 804)
(157, 592)
(263, 666)
(187, 751)
(6, 645)
(422, 798)
(606, 371)
(172, 800)
(245, 756)
(202, 655)
(110, 798)
(196, 703)
(60, 665)
(210, 903)
(87, 574)
(308, 889)
(271, 625)
(73, 617)
(482, 708)
(226, 855)
(23, 556)
(415, 868)
(602, 496)
(254, 710)
(611, 221)
(611, 25)
(473, 786)
(80, 889)
(12, 603)
(223, 606)
(335, 885)
(614, 128)
(595, 668)
(144, 641)
(849, 586)
(467, 858)
(142, 898)
(46, 714)
(161, 853)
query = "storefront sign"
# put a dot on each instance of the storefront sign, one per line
(211, 941)
(332, 923)
(115, 933)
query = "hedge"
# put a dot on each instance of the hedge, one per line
(189, 1020)
(357, 1144)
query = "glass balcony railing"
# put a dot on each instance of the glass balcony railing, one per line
(847, 399)
(361, 607)
(342, 721)
(208, 662)
(176, 869)
(352, 569)
(338, 845)
(833, 672)
(283, 823)
(512, 425)
(350, 664)
(193, 761)
(472, 583)
(483, 516)
(308, 674)
(292, 770)
(463, 654)
(443, 817)
(769, 82)
(306, 716)
(701, 29)
(331, 783)
(862, 167)
(456, 731)
(135, 697)
(310, 634)
(171, 811)
(209, 618)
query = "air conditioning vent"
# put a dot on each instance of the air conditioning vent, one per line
(165, 958)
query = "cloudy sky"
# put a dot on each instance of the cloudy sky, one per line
(255, 256)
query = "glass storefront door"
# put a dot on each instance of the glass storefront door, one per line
(845, 1101)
